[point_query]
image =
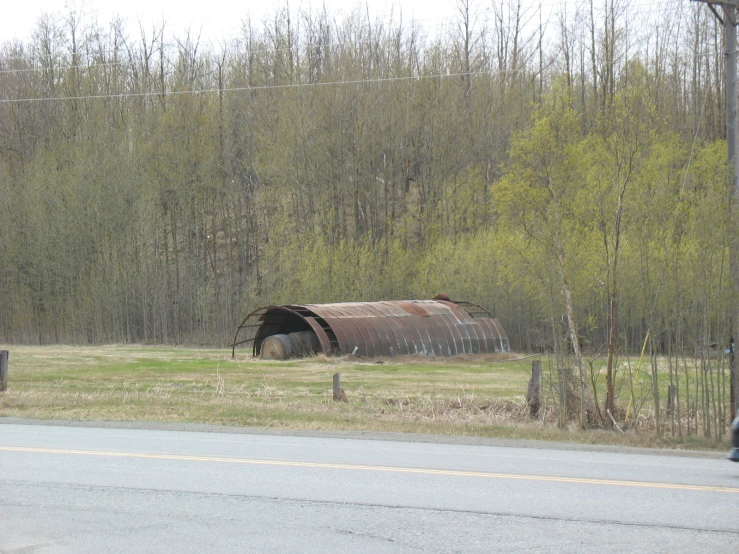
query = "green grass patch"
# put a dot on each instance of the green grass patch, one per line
(471, 396)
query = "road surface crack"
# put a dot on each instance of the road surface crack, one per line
(292, 500)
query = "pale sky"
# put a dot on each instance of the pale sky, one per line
(219, 19)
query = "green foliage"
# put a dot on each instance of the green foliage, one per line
(153, 211)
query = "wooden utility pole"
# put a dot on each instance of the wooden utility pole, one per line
(727, 17)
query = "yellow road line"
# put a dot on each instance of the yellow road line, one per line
(354, 467)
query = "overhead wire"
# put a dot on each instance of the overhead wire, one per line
(126, 64)
(126, 95)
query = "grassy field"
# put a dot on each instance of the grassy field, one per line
(482, 396)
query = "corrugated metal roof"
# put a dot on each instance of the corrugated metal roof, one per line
(390, 328)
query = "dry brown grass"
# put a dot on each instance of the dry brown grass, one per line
(482, 396)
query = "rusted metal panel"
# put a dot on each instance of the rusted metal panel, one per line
(485, 344)
(338, 331)
(451, 317)
(408, 327)
(390, 328)
(403, 323)
(457, 338)
(394, 322)
(401, 332)
(413, 308)
(378, 349)
(466, 340)
(321, 334)
(416, 342)
(448, 336)
(425, 345)
(378, 318)
(491, 334)
(478, 345)
(472, 337)
(380, 339)
(362, 344)
(497, 335)
(386, 338)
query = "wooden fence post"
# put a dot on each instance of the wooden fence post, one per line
(339, 394)
(534, 390)
(3, 370)
(337, 386)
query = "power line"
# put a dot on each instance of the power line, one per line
(257, 88)
(274, 87)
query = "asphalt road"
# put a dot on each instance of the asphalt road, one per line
(77, 489)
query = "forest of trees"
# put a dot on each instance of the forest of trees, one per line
(568, 174)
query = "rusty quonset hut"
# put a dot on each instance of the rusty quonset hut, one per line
(438, 327)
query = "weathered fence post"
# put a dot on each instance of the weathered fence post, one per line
(3, 370)
(339, 394)
(337, 386)
(534, 390)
